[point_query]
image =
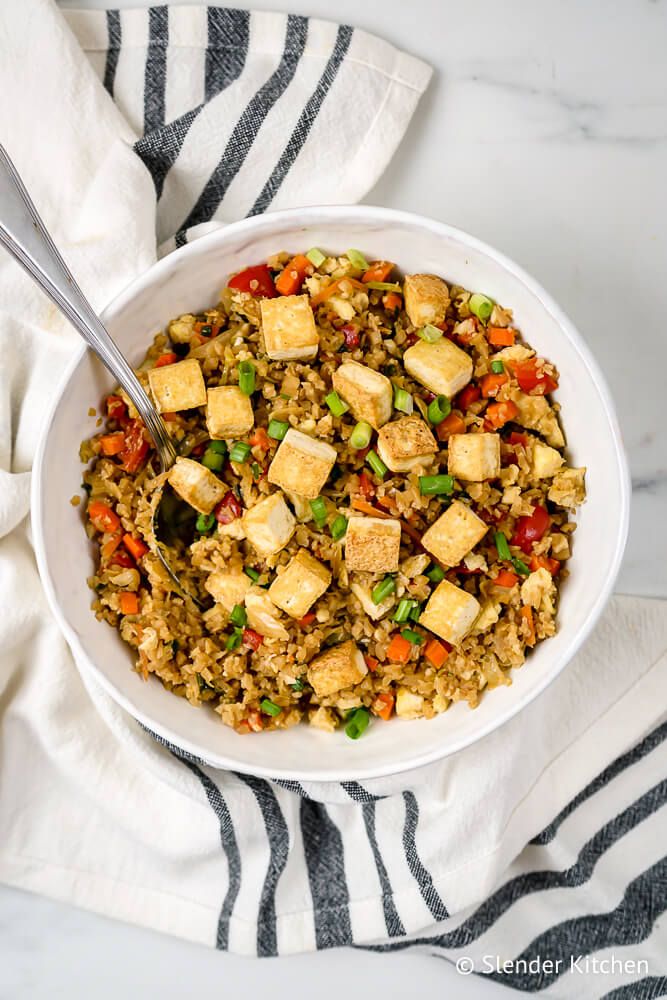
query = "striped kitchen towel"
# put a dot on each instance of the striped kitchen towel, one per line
(535, 857)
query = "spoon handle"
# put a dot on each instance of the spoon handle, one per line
(24, 236)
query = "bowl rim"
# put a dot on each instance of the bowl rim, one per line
(301, 218)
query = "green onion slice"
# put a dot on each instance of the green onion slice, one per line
(361, 436)
(376, 464)
(315, 256)
(520, 566)
(213, 460)
(337, 406)
(238, 616)
(277, 429)
(239, 451)
(357, 723)
(405, 606)
(414, 637)
(435, 574)
(435, 485)
(234, 640)
(339, 527)
(480, 306)
(298, 685)
(415, 612)
(403, 401)
(319, 509)
(219, 447)
(429, 333)
(384, 286)
(252, 573)
(357, 258)
(502, 545)
(205, 523)
(497, 367)
(269, 707)
(247, 377)
(383, 589)
(438, 409)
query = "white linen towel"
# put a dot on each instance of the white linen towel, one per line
(217, 114)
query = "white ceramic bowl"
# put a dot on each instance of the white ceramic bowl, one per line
(189, 280)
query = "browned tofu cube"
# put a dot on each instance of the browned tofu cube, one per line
(474, 457)
(289, 328)
(300, 584)
(442, 366)
(337, 668)
(426, 299)
(454, 534)
(178, 387)
(196, 484)
(406, 444)
(372, 545)
(302, 464)
(368, 393)
(229, 412)
(450, 612)
(269, 525)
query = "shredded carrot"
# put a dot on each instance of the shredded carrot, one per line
(453, 424)
(436, 653)
(392, 301)
(378, 271)
(383, 706)
(399, 649)
(526, 613)
(358, 503)
(260, 439)
(498, 414)
(135, 546)
(112, 444)
(388, 503)
(506, 579)
(129, 603)
(500, 336)
(491, 384)
(290, 280)
(331, 289)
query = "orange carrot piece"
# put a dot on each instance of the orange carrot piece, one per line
(436, 653)
(526, 613)
(491, 384)
(112, 444)
(331, 289)
(506, 579)
(378, 271)
(358, 503)
(129, 603)
(135, 546)
(392, 301)
(500, 336)
(545, 562)
(290, 279)
(371, 663)
(260, 439)
(383, 706)
(399, 649)
(453, 424)
(306, 620)
(498, 414)
(102, 517)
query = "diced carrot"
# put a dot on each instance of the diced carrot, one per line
(122, 558)
(392, 301)
(166, 359)
(436, 653)
(469, 395)
(108, 549)
(255, 721)
(399, 649)
(383, 706)
(516, 438)
(260, 439)
(112, 444)
(290, 280)
(116, 408)
(102, 517)
(545, 562)
(491, 384)
(306, 620)
(366, 484)
(243, 728)
(378, 271)
(331, 289)
(526, 613)
(498, 414)
(371, 663)
(129, 603)
(135, 546)
(506, 579)
(453, 424)
(500, 336)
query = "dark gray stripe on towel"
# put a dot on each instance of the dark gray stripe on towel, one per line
(421, 875)
(155, 73)
(392, 920)
(650, 988)
(325, 860)
(114, 36)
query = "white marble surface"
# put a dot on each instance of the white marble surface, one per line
(544, 133)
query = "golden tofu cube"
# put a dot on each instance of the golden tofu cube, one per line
(262, 615)
(229, 412)
(372, 545)
(568, 488)
(227, 589)
(442, 367)
(406, 444)
(368, 393)
(289, 328)
(474, 457)
(426, 299)
(178, 387)
(408, 704)
(337, 668)
(302, 464)
(450, 612)
(454, 534)
(269, 525)
(536, 413)
(196, 484)
(300, 584)
(545, 461)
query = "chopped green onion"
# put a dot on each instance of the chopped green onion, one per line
(438, 409)
(415, 612)
(520, 566)
(480, 306)
(411, 636)
(239, 451)
(252, 573)
(213, 460)
(376, 464)
(277, 429)
(319, 509)
(247, 377)
(403, 610)
(384, 286)
(219, 447)
(357, 258)
(315, 256)
(403, 401)
(357, 723)
(336, 404)
(238, 616)
(497, 367)
(361, 436)
(206, 330)
(434, 485)
(298, 685)
(502, 545)
(269, 707)
(429, 333)
(383, 589)
(339, 527)
(234, 640)
(256, 471)
(435, 574)
(205, 523)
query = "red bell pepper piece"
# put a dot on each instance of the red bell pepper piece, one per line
(469, 395)
(532, 377)
(365, 485)
(228, 509)
(351, 334)
(252, 638)
(257, 280)
(136, 448)
(530, 528)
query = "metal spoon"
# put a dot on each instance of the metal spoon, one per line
(24, 236)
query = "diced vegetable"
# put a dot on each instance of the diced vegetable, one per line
(438, 409)
(453, 424)
(414, 638)
(376, 464)
(436, 485)
(526, 613)
(135, 546)
(102, 517)
(332, 288)
(252, 573)
(361, 436)
(166, 359)
(269, 707)
(252, 639)
(506, 579)
(383, 589)
(545, 562)
(379, 270)
(247, 377)
(429, 333)
(435, 574)
(516, 438)
(337, 406)
(260, 439)
(238, 616)
(392, 301)
(399, 649)
(371, 663)
(405, 606)
(339, 527)
(498, 414)
(214, 458)
(403, 401)
(112, 444)
(278, 429)
(436, 653)
(351, 336)
(256, 280)
(228, 509)
(129, 603)
(499, 336)
(233, 641)
(306, 620)
(497, 367)
(357, 723)
(291, 279)
(502, 545)
(530, 528)
(356, 258)
(239, 452)
(298, 685)
(490, 385)
(319, 509)
(467, 396)
(532, 377)
(480, 306)
(520, 566)
(315, 256)
(205, 523)
(383, 706)
(384, 286)
(116, 408)
(136, 447)
(366, 485)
